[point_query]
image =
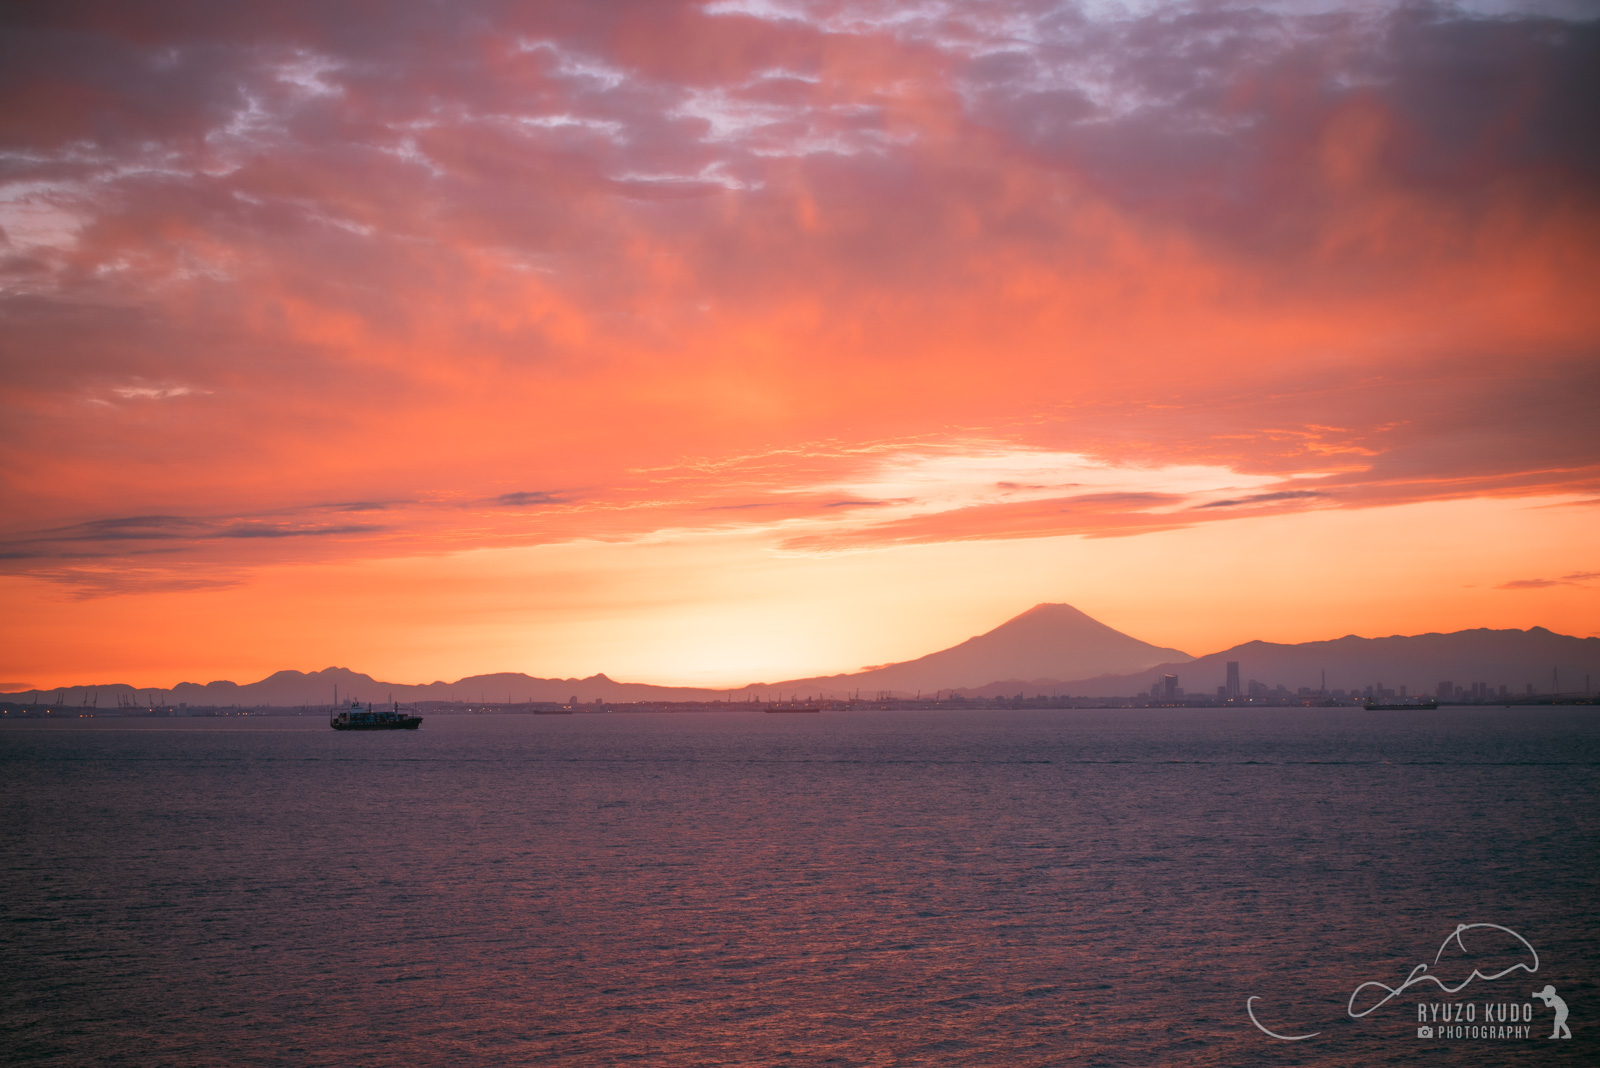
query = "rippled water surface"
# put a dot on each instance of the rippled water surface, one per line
(931, 888)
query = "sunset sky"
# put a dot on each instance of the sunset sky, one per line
(742, 340)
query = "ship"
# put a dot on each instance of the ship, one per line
(803, 706)
(356, 718)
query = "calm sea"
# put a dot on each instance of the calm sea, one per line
(931, 888)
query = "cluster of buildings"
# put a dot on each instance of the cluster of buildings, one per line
(1167, 691)
(1478, 693)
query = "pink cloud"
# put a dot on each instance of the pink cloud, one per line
(602, 271)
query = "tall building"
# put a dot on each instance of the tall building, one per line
(1233, 678)
(1169, 686)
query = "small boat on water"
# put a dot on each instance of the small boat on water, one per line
(356, 718)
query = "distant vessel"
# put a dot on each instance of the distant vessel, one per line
(1374, 706)
(356, 718)
(796, 705)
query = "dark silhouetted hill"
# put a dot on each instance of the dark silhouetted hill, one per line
(290, 689)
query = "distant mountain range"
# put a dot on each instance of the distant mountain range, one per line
(289, 689)
(1515, 659)
(1049, 649)
(1056, 649)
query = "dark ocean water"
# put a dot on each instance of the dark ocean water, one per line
(934, 888)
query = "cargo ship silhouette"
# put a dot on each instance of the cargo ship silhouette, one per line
(356, 718)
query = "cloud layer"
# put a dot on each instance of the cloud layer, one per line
(294, 282)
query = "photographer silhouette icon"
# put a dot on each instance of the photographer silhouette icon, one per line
(1548, 996)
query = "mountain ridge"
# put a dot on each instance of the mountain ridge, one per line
(1044, 634)
(1514, 658)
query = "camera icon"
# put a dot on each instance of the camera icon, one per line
(1424, 1032)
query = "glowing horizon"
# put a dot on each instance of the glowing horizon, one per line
(705, 343)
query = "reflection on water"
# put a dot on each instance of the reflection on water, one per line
(1006, 888)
